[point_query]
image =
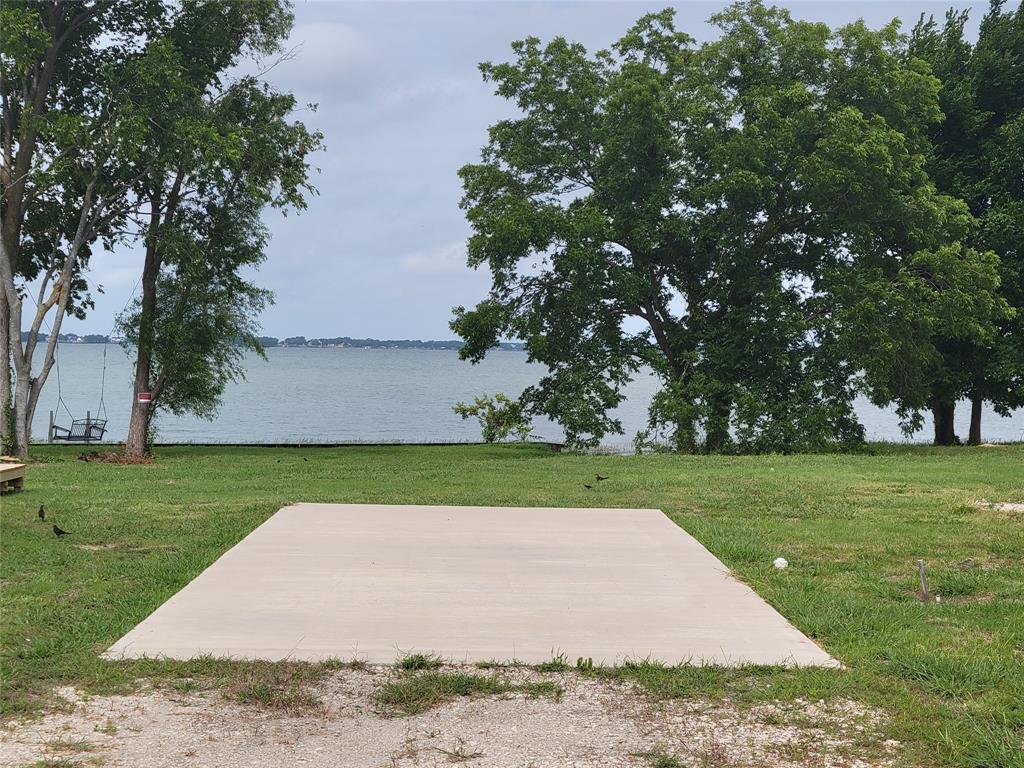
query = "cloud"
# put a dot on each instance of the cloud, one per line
(320, 53)
(119, 277)
(436, 92)
(447, 259)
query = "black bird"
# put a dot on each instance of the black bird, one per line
(304, 458)
(42, 512)
(60, 531)
(588, 487)
(601, 477)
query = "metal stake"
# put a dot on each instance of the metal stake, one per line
(924, 580)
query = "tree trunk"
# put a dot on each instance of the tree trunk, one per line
(27, 386)
(24, 133)
(142, 412)
(717, 433)
(22, 426)
(942, 413)
(138, 431)
(6, 437)
(974, 438)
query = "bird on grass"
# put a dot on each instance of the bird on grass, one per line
(588, 487)
(60, 531)
(601, 477)
(42, 512)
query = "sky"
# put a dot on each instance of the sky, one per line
(380, 251)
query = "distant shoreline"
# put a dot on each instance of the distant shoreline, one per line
(347, 342)
(301, 342)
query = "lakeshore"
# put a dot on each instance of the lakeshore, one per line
(310, 395)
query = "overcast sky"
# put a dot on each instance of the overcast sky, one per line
(380, 251)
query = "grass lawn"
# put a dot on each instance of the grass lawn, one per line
(950, 675)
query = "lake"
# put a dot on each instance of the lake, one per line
(370, 395)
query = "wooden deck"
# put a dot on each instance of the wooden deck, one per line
(12, 477)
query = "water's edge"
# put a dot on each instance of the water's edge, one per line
(353, 396)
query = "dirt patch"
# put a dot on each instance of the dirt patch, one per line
(130, 549)
(1001, 506)
(594, 723)
(114, 457)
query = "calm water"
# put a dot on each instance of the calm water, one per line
(363, 395)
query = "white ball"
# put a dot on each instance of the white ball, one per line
(780, 562)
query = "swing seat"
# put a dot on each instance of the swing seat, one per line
(81, 431)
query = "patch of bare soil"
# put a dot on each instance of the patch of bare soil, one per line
(114, 457)
(1000, 506)
(126, 548)
(595, 723)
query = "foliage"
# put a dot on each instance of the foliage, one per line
(732, 215)
(70, 135)
(229, 151)
(978, 157)
(499, 416)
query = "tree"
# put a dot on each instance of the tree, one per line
(67, 132)
(229, 151)
(499, 417)
(977, 157)
(718, 213)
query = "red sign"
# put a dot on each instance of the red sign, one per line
(145, 397)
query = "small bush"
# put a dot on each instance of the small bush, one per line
(499, 417)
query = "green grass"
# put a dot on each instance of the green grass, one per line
(426, 690)
(949, 674)
(659, 757)
(412, 662)
(557, 663)
(71, 747)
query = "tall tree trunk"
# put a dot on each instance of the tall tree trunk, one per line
(142, 412)
(20, 357)
(6, 421)
(943, 410)
(28, 387)
(718, 436)
(974, 438)
(22, 426)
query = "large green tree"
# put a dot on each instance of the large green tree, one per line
(68, 137)
(977, 157)
(224, 152)
(735, 215)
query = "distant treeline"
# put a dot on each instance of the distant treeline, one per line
(348, 341)
(71, 338)
(298, 341)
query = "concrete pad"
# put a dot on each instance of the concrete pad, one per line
(469, 583)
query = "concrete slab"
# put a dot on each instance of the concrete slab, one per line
(470, 583)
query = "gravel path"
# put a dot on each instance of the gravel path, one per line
(594, 723)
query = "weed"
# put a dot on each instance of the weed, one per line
(558, 663)
(282, 687)
(70, 747)
(459, 753)
(109, 728)
(417, 661)
(426, 690)
(659, 757)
